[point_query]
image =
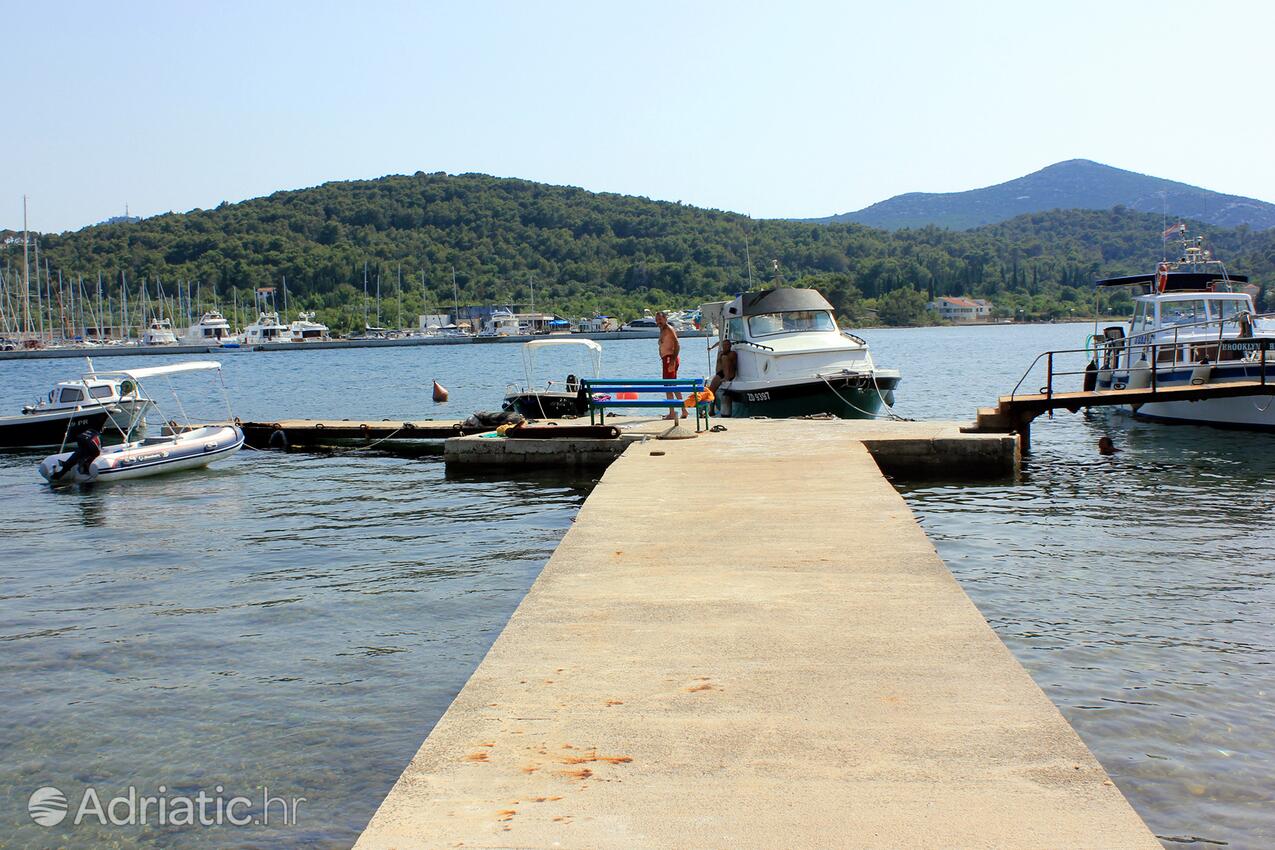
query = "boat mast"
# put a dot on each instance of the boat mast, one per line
(124, 305)
(378, 296)
(365, 295)
(455, 300)
(100, 314)
(26, 273)
(400, 296)
(39, 302)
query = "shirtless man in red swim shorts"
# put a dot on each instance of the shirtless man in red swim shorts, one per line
(670, 349)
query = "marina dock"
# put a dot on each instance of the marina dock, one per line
(746, 640)
(369, 342)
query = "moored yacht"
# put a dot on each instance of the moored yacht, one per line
(793, 360)
(306, 329)
(159, 332)
(1193, 321)
(267, 329)
(212, 329)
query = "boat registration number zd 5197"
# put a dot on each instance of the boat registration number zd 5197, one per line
(758, 396)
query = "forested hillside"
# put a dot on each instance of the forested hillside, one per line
(588, 252)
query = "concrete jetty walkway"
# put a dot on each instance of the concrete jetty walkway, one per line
(748, 642)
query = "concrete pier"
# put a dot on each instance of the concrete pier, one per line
(746, 640)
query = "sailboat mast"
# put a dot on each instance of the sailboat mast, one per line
(378, 297)
(400, 296)
(39, 302)
(124, 306)
(455, 300)
(26, 272)
(365, 294)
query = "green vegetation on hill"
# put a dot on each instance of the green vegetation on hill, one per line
(587, 252)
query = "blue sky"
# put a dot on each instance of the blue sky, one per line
(774, 110)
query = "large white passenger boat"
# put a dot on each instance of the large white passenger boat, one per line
(1192, 324)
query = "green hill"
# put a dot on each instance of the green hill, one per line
(1075, 184)
(586, 251)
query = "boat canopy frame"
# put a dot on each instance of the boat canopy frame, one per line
(137, 375)
(530, 348)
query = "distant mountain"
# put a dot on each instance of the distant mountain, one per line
(1074, 184)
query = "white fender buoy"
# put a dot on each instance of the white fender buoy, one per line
(440, 394)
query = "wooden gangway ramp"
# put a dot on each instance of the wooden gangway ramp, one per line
(746, 641)
(1014, 413)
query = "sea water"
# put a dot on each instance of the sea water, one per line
(292, 626)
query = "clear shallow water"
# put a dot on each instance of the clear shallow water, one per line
(302, 622)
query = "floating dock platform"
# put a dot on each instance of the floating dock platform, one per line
(745, 640)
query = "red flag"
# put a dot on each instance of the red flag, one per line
(1177, 228)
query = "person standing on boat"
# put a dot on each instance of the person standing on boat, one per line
(670, 349)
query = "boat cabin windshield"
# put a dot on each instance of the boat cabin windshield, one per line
(768, 324)
(1188, 311)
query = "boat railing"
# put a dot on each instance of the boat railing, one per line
(1161, 350)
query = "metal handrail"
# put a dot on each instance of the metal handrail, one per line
(1264, 345)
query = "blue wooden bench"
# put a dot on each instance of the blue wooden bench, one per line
(608, 388)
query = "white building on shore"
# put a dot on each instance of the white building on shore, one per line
(961, 309)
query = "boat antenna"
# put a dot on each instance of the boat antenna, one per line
(748, 260)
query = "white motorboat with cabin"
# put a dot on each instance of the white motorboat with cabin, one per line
(793, 359)
(126, 404)
(267, 329)
(1192, 320)
(501, 323)
(554, 400)
(159, 332)
(306, 329)
(211, 329)
(643, 325)
(193, 447)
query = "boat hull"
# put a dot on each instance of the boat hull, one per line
(41, 430)
(1254, 412)
(147, 458)
(847, 397)
(546, 405)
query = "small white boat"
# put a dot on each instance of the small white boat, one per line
(646, 323)
(554, 401)
(193, 448)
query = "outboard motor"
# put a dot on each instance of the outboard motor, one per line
(573, 383)
(88, 445)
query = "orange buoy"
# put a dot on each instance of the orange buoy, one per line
(440, 394)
